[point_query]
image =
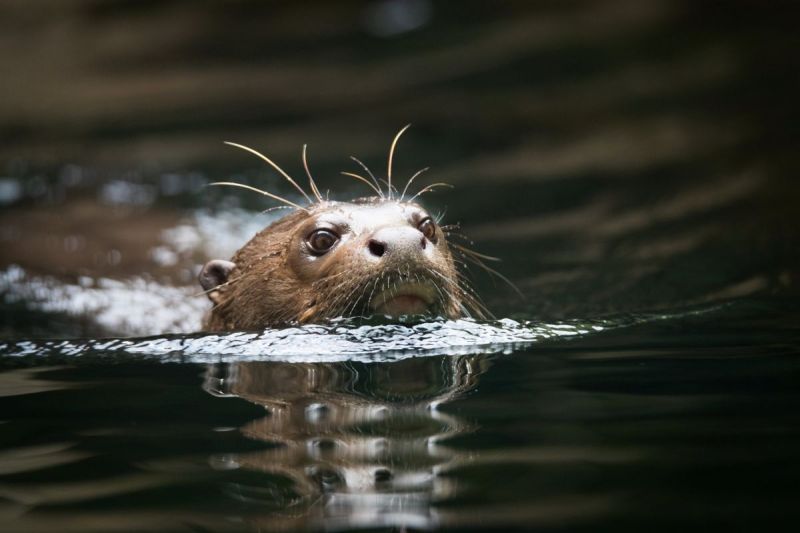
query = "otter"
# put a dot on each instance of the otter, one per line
(377, 255)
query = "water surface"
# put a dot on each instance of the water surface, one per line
(633, 164)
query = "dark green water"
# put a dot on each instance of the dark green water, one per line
(634, 164)
(684, 423)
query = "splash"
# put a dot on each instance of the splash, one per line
(344, 340)
(140, 305)
(136, 306)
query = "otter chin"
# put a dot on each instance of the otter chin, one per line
(405, 299)
(379, 255)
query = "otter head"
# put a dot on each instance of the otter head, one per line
(369, 256)
(379, 255)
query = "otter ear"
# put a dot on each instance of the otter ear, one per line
(214, 274)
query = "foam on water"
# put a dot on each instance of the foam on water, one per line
(343, 340)
(139, 305)
(217, 234)
(136, 306)
(170, 318)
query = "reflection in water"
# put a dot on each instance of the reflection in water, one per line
(350, 445)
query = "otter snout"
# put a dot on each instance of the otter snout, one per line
(396, 243)
(397, 248)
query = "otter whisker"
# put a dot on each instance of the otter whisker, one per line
(274, 208)
(443, 296)
(466, 292)
(507, 281)
(456, 235)
(473, 252)
(365, 180)
(471, 302)
(273, 165)
(411, 180)
(451, 227)
(475, 258)
(463, 282)
(448, 280)
(372, 294)
(465, 260)
(391, 156)
(429, 188)
(265, 193)
(390, 187)
(311, 181)
(348, 309)
(346, 306)
(376, 284)
(335, 307)
(322, 282)
(212, 289)
(451, 233)
(463, 264)
(370, 174)
(360, 299)
(476, 261)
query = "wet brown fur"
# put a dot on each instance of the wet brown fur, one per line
(264, 289)
(259, 287)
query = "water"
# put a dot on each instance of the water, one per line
(690, 419)
(634, 166)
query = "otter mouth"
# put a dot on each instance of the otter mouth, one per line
(405, 298)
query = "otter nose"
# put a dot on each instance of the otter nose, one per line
(396, 241)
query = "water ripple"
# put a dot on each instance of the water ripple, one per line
(344, 340)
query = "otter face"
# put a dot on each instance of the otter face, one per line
(382, 257)
(358, 258)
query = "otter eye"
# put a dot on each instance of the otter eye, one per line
(428, 228)
(321, 241)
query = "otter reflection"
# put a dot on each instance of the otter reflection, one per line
(359, 443)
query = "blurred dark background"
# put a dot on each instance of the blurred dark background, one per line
(619, 156)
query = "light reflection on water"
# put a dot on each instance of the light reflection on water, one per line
(361, 449)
